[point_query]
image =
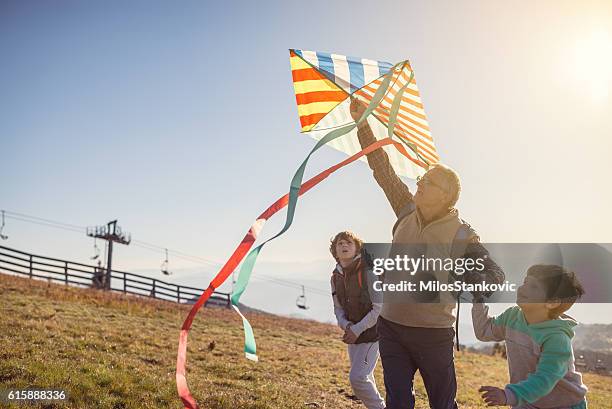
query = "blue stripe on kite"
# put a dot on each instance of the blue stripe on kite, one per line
(357, 74)
(298, 52)
(384, 67)
(326, 65)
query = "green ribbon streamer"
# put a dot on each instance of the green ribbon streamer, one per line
(250, 347)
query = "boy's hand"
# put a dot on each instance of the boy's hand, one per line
(349, 336)
(493, 396)
(357, 109)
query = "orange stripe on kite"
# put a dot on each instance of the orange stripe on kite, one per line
(405, 119)
(393, 92)
(409, 129)
(432, 157)
(320, 96)
(408, 90)
(409, 111)
(305, 74)
(405, 77)
(384, 108)
(311, 119)
(404, 99)
(389, 100)
(421, 150)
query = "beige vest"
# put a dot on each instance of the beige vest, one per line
(438, 236)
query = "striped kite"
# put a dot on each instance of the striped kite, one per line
(323, 83)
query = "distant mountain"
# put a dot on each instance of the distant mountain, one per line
(594, 337)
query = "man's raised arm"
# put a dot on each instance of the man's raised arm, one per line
(396, 191)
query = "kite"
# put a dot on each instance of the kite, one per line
(323, 83)
(324, 86)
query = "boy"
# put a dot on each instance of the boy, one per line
(538, 342)
(356, 315)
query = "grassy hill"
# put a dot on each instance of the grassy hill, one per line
(113, 351)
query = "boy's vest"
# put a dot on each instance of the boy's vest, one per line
(352, 292)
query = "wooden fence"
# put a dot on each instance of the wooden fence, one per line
(70, 273)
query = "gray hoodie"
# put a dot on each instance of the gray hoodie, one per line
(540, 358)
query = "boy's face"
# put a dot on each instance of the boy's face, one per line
(531, 291)
(346, 249)
(531, 296)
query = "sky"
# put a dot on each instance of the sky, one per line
(179, 120)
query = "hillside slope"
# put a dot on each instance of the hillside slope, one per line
(113, 351)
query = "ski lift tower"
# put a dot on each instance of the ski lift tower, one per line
(112, 234)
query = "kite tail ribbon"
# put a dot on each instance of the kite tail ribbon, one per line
(246, 270)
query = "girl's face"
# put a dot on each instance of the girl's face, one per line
(346, 249)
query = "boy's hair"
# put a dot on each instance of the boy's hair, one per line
(346, 235)
(561, 286)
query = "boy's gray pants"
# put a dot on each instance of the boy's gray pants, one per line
(363, 361)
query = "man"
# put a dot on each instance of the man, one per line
(420, 336)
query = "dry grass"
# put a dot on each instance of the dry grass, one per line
(113, 351)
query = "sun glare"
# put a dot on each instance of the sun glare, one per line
(593, 64)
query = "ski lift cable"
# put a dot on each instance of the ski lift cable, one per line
(73, 226)
(152, 246)
(295, 284)
(321, 293)
(148, 246)
(292, 285)
(141, 244)
(280, 281)
(193, 259)
(77, 229)
(47, 224)
(287, 283)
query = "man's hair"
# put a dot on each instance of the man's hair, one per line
(454, 183)
(346, 235)
(561, 286)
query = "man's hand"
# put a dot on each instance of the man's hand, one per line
(493, 396)
(357, 109)
(349, 336)
(474, 277)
